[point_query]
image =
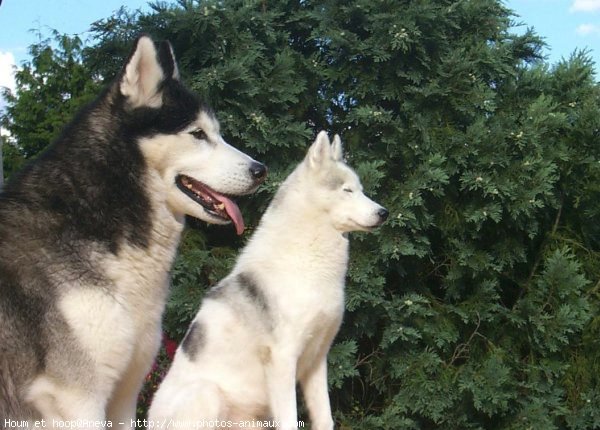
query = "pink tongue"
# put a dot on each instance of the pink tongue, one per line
(234, 213)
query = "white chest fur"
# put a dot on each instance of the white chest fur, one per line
(112, 322)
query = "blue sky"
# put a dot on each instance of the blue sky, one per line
(565, 24)
(19, 17)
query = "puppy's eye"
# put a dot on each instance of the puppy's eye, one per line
(348, 190)
(199, 134)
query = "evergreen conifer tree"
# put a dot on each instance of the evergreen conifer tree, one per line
(49, 90)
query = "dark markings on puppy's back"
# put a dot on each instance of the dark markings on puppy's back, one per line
(243, 294)
(219, 291)
(247, 283)
(194, 340)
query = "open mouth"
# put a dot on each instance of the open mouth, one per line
(214, 203)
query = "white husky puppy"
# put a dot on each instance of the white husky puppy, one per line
(270, 323)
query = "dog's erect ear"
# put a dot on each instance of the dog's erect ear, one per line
(320, 150)
(336, 148)
(143, 75)
(167, 60)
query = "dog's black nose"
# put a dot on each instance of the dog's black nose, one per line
(383, 214)
(258, 171)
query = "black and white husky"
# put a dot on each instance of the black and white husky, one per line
(88, 233)
(270, 323)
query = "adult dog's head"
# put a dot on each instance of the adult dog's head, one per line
(180, 139)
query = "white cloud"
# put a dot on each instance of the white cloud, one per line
(7, 73)
(587, 29)
(585, 6)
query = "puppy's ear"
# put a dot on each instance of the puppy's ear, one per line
(320, 150)
(142, 76)
(167, 60)
(337, 150)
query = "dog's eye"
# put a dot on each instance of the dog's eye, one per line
(348, 190)
(199, 134)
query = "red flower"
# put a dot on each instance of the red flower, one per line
(170, 346)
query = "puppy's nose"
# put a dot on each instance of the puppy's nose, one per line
(258, 171)
(383, 214)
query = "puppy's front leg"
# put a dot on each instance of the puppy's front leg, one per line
(316, 396)
(281, 383)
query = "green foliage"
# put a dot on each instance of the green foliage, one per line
(197, 268)
(49, 90)
(152, 382)
(476, 305)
